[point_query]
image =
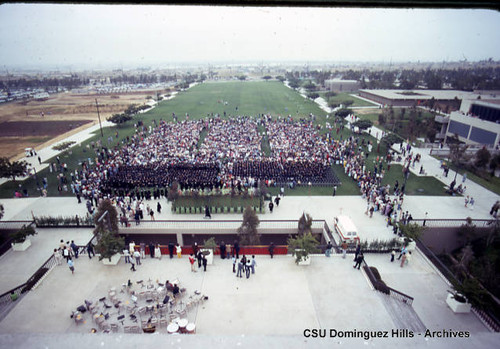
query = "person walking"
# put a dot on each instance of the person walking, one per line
(344, 249)
(74, 248)
(271, 249)
(131, 248)
(71, 265)
(158, 207)
(328, 249)
(132, 265)
(253, 264)
(57, 256)
(191, 261)
(90, 250)
(65, 253)
(471, 203)
(403, 251)
(240, 268)
(178, 250)
(393, 254)
(408, 257)
(234, 264)
(271, 206)
(359, 260)
(357, 252)
(403, 260)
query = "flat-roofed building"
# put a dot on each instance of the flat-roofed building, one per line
(338, 85)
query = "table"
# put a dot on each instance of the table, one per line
(191, 328)
(172, 328)
(182, 325)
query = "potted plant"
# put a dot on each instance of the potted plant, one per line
(467, 294)
(208, 250)
(20, 240)
(301, 246)
(109, 247)
(411, 233)
(457, 302)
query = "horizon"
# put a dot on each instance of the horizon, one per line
(79, 36)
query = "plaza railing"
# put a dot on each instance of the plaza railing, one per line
(382, 287)
(211, 224)
(445, 223)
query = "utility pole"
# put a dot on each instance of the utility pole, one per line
(99, 116)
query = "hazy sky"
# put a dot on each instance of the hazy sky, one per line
(97, 35)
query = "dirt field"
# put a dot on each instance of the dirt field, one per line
(45, 117)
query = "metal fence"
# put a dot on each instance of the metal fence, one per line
(445, 223)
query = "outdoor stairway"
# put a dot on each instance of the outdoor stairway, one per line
(403, 315)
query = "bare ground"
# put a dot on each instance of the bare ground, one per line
(60, 107)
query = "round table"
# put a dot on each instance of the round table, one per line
(190, 328)
(172, 328)
(182, 325)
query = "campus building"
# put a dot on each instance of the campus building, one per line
(477, 122)
(338, 85)
(443, 99)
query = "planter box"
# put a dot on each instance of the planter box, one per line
(306, 262)
(114, 260)
(21, 246)
(209, 257)
(457, 307)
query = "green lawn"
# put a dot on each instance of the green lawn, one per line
(344, 96)
(251, 98)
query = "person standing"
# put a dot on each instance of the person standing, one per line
(204, 261)
(71, 265)
(171, 249)
(277, 201)
(248, 266)
(359, 260)
(234, 264)
(237, 249)
(253, 264)
(222, 250)
(402, 253)
(126, 254)
(191, 261)
(133, 265)
(158, 251)
(151, 250)
(393, 254)
(142, 248)
(271, 206)
(178, 250)
(158, 207)
(131, 248)
(199, 257)
(137, 256)
(344, 249)
(471, 203)
(271, 249)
